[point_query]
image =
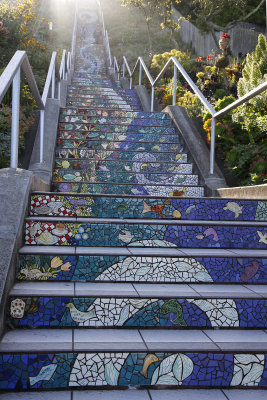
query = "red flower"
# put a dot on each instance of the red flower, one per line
(199, 58)
(208, 57)
(225, 36)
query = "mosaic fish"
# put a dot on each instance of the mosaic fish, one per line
(262, 237)
(189, 209)
(158, 208)
(45, 374)
(176, 214)
(148, 360)
(175, 307)
(209, 232)
(178, 193)
(43, 209)
(78, 202)
(250, 271)
(126, 236)
(80, 316)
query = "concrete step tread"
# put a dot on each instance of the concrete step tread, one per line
(135, 394)
(139, 290)
(136, 340)
(145, 251)
(147, 221)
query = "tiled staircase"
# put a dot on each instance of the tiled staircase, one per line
(129, 277)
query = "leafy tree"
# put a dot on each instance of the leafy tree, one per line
(153, 8)
(220, 15)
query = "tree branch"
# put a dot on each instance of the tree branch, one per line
(231, 24)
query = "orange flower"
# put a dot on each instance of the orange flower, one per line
(56, 262)
(66, 267)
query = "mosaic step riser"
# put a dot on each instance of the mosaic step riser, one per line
(95, 83)
(117, 114)
(144, 234)
(163, 131)
(177, 313)
(123, 207)
(98, 145)
(118, 136)
(88, 175)
(82, 89)
(98, 101)
(110, 268)
(110, 106)
(87, 97)
(114, 121)
(128, 189)
(124, 155)
(55, 370)
(164, 168)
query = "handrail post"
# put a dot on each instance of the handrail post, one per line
(58, 90)
(131, 82)
(174, 85)
(212, 145)
(123, 68)
(41, 136)
(140, 74)
(15, 120)
(53, 83)
(152, 98)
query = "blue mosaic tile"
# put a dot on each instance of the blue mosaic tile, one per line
(26, 312)
(188, 369)
(158, 235)
(152, 208)
(142, 269)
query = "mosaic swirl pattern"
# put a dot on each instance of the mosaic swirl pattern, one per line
(190, 369)
(137, 312)
(142, 269)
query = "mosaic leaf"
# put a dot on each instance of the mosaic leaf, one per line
(111, 374)
(124, 315)
(248, 369)
(182, 367)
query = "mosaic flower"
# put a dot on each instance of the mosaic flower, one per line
(65, 164)
(56, 262)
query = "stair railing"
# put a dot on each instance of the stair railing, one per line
(11, 76)
(177, 67)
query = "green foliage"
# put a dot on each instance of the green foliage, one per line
(252, 114)
(191, 103)
(159, 60)
(220, 93)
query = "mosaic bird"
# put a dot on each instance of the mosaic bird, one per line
(80, 316)
(35, 273)
(263, 237)
(126, 236)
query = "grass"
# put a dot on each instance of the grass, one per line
(128, 34)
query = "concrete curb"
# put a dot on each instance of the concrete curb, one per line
(245, 192)
(198, 150)
(15, 188)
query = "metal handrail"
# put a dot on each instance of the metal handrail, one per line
(178, 67)
(11, 75)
